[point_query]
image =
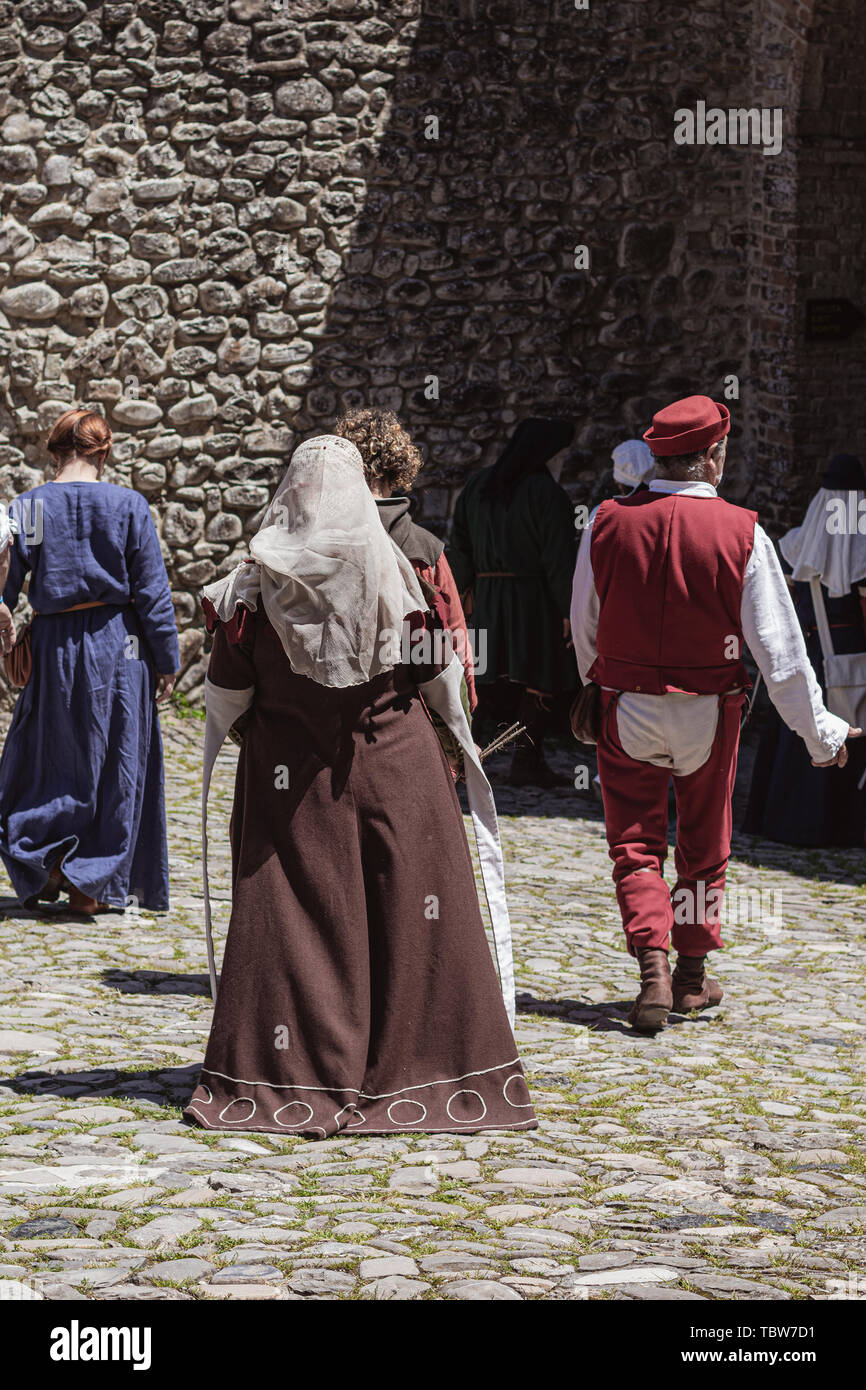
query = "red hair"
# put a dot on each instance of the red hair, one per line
(81, 432)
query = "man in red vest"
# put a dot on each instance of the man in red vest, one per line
(671, 582)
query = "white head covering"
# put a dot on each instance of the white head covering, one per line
(633, 462)
(334, 585)
(826, 546)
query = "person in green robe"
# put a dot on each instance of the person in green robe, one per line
(512, 551)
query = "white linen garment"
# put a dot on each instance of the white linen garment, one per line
(677, 730)
(817, 549)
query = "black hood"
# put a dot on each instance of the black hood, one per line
(531, 445)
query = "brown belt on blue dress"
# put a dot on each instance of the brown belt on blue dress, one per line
(76, 608)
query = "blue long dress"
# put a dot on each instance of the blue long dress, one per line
(81, 774)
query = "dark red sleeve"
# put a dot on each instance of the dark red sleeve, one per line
(231, 663)
(235, 629)
(424, 655)
(450, 611)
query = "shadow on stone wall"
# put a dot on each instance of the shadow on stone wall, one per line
(830, 404)
(224, 221)
(509, 145)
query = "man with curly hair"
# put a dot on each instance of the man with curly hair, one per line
(392, 462)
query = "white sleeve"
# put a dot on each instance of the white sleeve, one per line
(223, 708)
(773, 635)
(584, 606)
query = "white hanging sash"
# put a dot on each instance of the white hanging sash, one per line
(442, 694)
(223, 708)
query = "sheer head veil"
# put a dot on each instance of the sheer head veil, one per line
(335, 587)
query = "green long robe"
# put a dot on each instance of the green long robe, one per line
(520, 618)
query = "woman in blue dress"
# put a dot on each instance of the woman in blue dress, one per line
(81, 775)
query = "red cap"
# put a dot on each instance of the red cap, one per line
(688, 426)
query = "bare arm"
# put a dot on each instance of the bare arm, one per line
(7, 625)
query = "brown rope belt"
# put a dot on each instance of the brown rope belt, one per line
(76, 608)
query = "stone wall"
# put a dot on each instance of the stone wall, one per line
(223, 221)
(804, 400)
(830, 401)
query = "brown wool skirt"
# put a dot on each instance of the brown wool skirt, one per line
(357, 990)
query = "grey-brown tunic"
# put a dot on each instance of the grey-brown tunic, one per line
(358, 990)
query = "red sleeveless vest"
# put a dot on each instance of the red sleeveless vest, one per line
(669, 572)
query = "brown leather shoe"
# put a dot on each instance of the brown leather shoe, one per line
(692, 986)
(655, 1001)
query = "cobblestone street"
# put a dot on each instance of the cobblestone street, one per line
(722, 1159)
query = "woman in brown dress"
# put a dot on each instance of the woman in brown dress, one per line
(357, 991)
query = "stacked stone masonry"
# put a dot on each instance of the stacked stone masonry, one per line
(222, 223)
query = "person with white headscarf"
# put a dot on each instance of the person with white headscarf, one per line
(633, 465)
(357, 990)
(790, 800)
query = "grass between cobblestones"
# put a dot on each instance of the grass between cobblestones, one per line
(722, 1159)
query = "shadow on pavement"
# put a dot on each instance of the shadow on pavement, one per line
(609, 1017)
(167, 1086)
(154, 982)
(58, 913)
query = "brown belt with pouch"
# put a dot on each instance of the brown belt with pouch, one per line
(19, 661)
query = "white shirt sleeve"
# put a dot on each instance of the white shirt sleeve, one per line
(773, 635)
(584, 606)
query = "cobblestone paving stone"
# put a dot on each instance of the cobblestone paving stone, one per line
(722, 1159)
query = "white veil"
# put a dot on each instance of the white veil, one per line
(334, 585)
(826, 546)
